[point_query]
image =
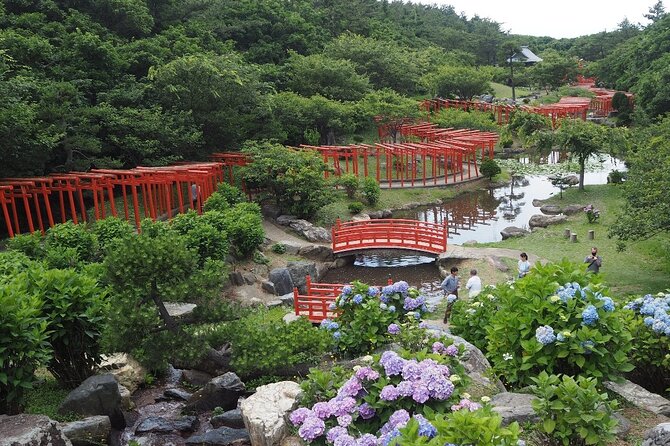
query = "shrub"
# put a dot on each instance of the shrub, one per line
(365, 314)
(460, 119)
(471, 318)
(592, 214)
(231, 194)
(649, 323)
(244, 225)
(506, 140)
(206, 240)
(278, 248)
(616, 177)
(371, 190)
(216, 202)
(28, 244)
(14, 262)
(572, 329)
(154, 229)
(573, 412)
(490, 168)
(350, 184)
(23, 343)
(525, 124)
(70, 235)
(62, 258)
(75, 308)
(110, 230)
(355, 207)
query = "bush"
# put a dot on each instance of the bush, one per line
(75, 308)
(231, 194)
(616, 177)
(592, 214)
(14, 262)
(62, 258)
(23, 343)
(573, 412)
(365, 314)
(572, 329)
(155, 229)
(216, 202)
(70, 235)
(356, 207)
(649, 323)
(206, 240)
(278, 248)
(244, 225)
(459, 119)
(525, 124)
(470, 319)
(28, 244)
(506, 140)
(110, 230)
(371, 190)
(490, 168)
(350, 184)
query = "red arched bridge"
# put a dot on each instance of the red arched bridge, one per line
(391, 233)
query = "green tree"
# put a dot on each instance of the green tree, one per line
(388, 108)
(554, 70)
(460, 82)
(582, 139)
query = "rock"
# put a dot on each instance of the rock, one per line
(319, 253)
(658, 436)
(160, 425)
(291, 247)
(236, 278)
(91, 431)
(542, 221)
(31, 430)
(222, 391)
(285, 220)
(287, 299)
(292, 441)
(97, 395)
(268, 287)
(274, 303)
(126, 401)
(179, 309)
(513, 231)
(572, 209)
(298, 272)
(572, 180)
(550, 209)
(498, 263)
(374, 215)
(471, 243)
(360, 217)
(265, 411)
(249, 278)
(196, 377)
(410, 205)
(255, 302)
(537, 203)
(223, 436)
(270, 211)
(291, 317)
(623, 427)
(282, 280)
(232, 418)
(127, 371)
(318, 234)
(177, 394)
(514, 407)
(640, 397)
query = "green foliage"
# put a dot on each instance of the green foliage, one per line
(490, 168)
(588, 336)
(482, 427)
(349, 182)
(293, 178)
(74, 307)
(356, 207)
(471, 319)
(592, 214)
(110, 230)
(460, 119)
(232, 194)
(14, 262)
(44, 399)
(616, 177)
(264, 344)
(554, 71)
(525, 125)
(216, 202)
(583, 140)
(573, 412)
(70, 235)
(388, 108)
(244, 226)
(458, 82)
(23, 343)
(371, 190)
(322, 384)
(278, 248)
(28, 244)
(202, 237)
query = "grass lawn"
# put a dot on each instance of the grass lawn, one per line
(644, 267)
(504, 91)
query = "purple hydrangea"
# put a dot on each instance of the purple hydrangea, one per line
(367, 373)
(401, 287)
(466, 404)
(393, 329)
(405, 388)
(411, 370)
(311, 428)
(335, 432)
(389, 393)
(345, 440)
(344, 420)
(388, 437)
(344, 406)
(452, 350)
(392, 363)
(367, 440)
(438, 347)
(388, 290)
(366, 411)
(299, 415)
(322, 410)
(351, 387)
(421, 393)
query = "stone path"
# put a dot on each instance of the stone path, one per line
(471, 252)
(278, 233)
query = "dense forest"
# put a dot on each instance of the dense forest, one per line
(117, 83)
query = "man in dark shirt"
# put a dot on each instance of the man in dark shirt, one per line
(594, 261)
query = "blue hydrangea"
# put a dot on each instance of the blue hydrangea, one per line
(588, 346)
(346, 290)
(392, 309)
(373, 291)
(425, 428)
(358, 299)
(560, 337)
(590, 315)
(388, 290)
(333, 326)
(608, 304)
(545, 335)
(401, 287)
(337, 335)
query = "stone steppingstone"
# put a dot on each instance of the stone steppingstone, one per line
(31, 430)
(222, 391)
(513, 231)
(640, 397)
(514, 407)
(658, 436)
(232, 418)
(223, 436)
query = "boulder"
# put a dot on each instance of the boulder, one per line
(274, 303)
(542, 221)
(291, 317)
(658, 436)
(97, 395)
(91, 431)
(177, 394)
(623, 425)
(285, 220)
(179, 309)
(265, 412)
(375, 215)
(550, 209)
(236, 278)
(270, 211)
(282, 280)
(223, 436)
(572, 209)
(268, 287)
(196, 377)
(537, 203)
(31, 430)
(232, 418)
(249, 278)
(640, 397)
(320, 253)
(291, 247)
(572, 180)
(514, 407)
(513, 231)
(160, 425)
(127, 371)
(292, 441)
(222, 391)
(126, 400)
(360, 217)
(497, 263)
(287, 299)
(318, 234)
(299, 271)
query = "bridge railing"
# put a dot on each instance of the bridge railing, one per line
(316, 302)
(390, 233)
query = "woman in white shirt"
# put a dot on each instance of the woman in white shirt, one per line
(474, 284)
(524, 265)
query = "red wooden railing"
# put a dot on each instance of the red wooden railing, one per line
(390, 233)
(314, 305)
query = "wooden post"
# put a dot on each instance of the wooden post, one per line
(573, 237)
(567, 233)
(592, 234)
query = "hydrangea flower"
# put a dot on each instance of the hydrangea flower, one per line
(393, 329)
(367, 373)
(588, 346)
(332, 306)
(425, 428)
(367, 440)
(590, 315)
(401, 287)
(392, 363)
(608, 304)
(322, 410)
(452, 350)
(346, 290)
(337, 335)
(358, 299)
(389, 393)
(345, 440)
(335, 432)
(373, 291)
(465, 403)
(545, 335)
(656, 312)
(366, 411)
(392, 309)
(298, 416)
(312, 428)
(344, 420)
(451, 298)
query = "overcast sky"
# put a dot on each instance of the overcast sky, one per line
(563, 18)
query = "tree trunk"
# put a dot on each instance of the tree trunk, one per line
(582, 162)
(169, 322)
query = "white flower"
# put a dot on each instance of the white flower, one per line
(357, 368)
(486, 399)
(507, 356)
(455, 379)
(554, 299)
(367, 359)
(466, 395)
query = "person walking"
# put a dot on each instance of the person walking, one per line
(594, 261)
(474, 285)
(450, 286)
(523, 265)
